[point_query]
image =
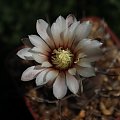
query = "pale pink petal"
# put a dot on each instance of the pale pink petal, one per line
(57, 28)
(70, 19)
(72, 83)
(41, 78)
(59, 86)
(25, 54)
(86, 72)
(30, 73)
(46, 64)
(40, 58)
(42, 29)
(72, 71)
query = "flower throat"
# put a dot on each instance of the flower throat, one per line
(62, 59)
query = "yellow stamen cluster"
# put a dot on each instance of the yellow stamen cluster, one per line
(62, 59)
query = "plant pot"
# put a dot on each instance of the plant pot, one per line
(95, 102)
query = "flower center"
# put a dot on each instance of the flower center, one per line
(62, 59)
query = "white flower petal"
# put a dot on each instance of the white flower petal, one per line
(83, 30)
(57, 28)
(65, 38)
(51, 75)
(46, 64)
(41, 78)
(94, 58)
(91, 58)
(88, 46)
(95, 43)
(72, 83)
(39, 50)
(89, 43)
(43, 29)
(35, 50)
(73, 27)
(25, 54)
(93, 48)
(83, 63)
(85, 42)
(40, 58)
(93, 52)
(35, 40)
(86, 72)
(30, 73)
(71, 33)
(81, 44)
(59, 87)
(38, 42)
(81, 55)
(72, 71)
(56, 34)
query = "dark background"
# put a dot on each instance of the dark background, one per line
(17, 20)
